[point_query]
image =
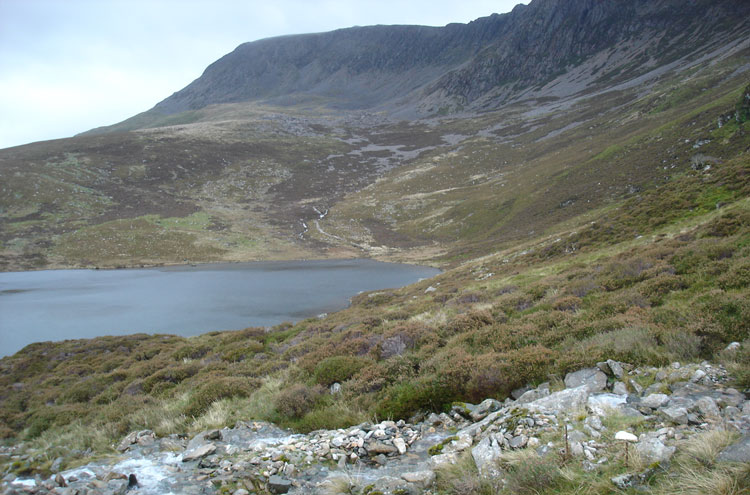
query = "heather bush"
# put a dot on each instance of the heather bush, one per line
(338, 369)
(216, 388)
(297, 400)
(466, 322)
(172, 375)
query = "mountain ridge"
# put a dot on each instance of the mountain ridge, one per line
(480, 65)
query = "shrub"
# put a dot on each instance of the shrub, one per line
(241, 353)
(466, 322)
(216, 389)
(337, 369)
(172, 375)
(567, 303)
(404, 399)
(737, 277)
(191, 352)
(297, 400)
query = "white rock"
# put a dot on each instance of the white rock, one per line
(400, 445)
(486, 454)
(604, 404)
(626, 436)
(568, 400)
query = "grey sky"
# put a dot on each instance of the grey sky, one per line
(67, 66)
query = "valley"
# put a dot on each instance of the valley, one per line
(578, 170)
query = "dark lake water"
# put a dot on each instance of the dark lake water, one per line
(73, 304)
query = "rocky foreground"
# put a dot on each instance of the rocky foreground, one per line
(402, 458)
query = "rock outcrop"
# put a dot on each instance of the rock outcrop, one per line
(404, 458)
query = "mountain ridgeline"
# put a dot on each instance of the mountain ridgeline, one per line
(418, 71)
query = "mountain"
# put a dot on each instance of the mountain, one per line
(549, 48)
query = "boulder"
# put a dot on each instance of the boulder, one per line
(708, 407)
(400, 445)
(655, 401)
(654, 450)
(737, 452)
(199, 452)
(277, 484)
(677, 415)
(592, 378)
(603, 404)
(619, 388)
(423, 479)
(568, 400)
(484, 409)
(443, 459)
(486, 456)
(616, 368)
(532, 395)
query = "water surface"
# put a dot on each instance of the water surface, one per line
(72, 304)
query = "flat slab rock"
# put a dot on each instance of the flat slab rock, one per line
(199, 452)
(737, 452)
(593, 378)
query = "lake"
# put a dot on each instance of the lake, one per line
(183, 300)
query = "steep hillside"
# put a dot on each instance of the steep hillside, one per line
(549, 48)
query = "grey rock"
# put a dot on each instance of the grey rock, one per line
(213, 435)
(518, 442)
(443, 459)
(616, 368)
(655, 401)
(708, 407)
(677, 415)
(594, 422)
(593, 378)
(654, 450)
(484, 409)
(737, 452)
(277, 484)
(630, 412)
(636, 387)
(486, 455)
(619, 388)
(199, 452)
(532, 395)
(603, 404)
(731, 412)
(568, 400)
(424, 479)
(515, 394)
(117, 487)
(240, 491)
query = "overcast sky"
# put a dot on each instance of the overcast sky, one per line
(67, 66)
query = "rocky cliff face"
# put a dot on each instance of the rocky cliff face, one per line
(484, 63)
